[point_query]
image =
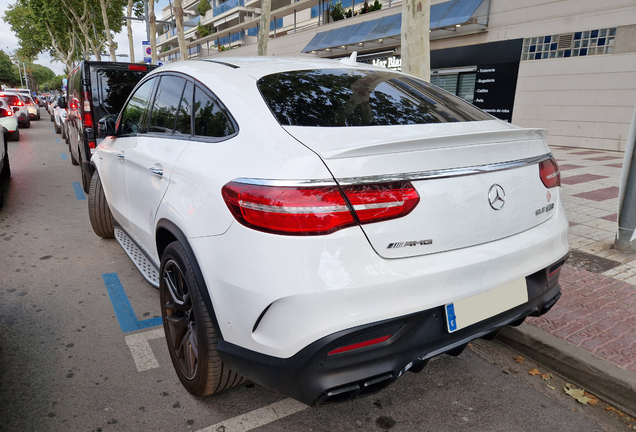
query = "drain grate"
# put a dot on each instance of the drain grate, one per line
(143, 264)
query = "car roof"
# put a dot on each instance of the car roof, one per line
(258, 66)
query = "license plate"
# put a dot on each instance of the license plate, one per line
(471, 310)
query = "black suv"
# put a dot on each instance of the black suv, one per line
(95, 90)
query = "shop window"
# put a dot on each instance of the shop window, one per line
(460, 84)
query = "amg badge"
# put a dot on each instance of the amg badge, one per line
(409, 243)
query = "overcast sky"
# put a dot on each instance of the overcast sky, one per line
(10, 43)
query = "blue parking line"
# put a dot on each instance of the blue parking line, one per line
(79, 192)
(57, 140)
(63, 156)
(123, 309)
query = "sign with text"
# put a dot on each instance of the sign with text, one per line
(495, 87)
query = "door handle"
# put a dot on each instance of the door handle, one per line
(121, 156)
(156, 171)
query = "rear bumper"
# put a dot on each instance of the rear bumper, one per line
(316, 378)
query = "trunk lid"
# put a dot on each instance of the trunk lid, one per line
(457, 168)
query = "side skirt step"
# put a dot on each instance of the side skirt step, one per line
(141, 261)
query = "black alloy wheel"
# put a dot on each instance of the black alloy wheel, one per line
(191, 335)
(181, 321)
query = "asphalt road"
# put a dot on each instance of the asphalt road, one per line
(74, 359)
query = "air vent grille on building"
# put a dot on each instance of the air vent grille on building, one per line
(565, 41)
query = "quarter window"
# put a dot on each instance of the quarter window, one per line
(135, 115)
(210, 118)
(164, 111)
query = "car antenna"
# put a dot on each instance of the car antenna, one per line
(351, 60)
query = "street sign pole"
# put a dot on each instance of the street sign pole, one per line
(626, 235)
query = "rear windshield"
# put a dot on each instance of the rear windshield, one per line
(344, 97)
(114, 87)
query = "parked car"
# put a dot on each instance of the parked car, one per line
(19, 108)
(9, 121)
(96, 89)
(5, 168)
(60, 114)
(50, 105)
(32, 107)
(322, 227)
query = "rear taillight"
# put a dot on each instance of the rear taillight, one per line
(316, 210)
(92, 146)
(549, 172)
(88, 117)
(137, 68)
(7, 113)
(29, 103)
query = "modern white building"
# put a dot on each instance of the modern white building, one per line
(565, 65)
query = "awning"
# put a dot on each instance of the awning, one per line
(448, 15)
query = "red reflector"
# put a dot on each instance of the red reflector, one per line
(359, 345)
(91, 144)
(316, 210)
(137, 68)
(549, 172)
(88, 120)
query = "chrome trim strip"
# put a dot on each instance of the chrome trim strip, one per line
(419, 175)
(289, 183)
(445, 173)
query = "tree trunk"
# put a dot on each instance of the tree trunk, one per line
(131, 45)
(178, 14)
(109, 37)
(416, 45)
(263, 31)
(153, 30)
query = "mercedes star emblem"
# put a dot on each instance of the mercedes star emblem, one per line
(496, 197)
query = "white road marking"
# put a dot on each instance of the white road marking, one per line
(258, 418)
(140, 349)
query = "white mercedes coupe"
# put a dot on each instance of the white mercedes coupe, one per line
(320, 227)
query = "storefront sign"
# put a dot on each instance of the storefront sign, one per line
(393, 62)
(495, 89)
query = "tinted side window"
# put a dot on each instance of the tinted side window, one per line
(114, 88)
(184, 119)
(211, 118)
(164, 110)
(135, 114)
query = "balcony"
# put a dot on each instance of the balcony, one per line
(228, 5)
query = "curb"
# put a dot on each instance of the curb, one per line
(600, 377)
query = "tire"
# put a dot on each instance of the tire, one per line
(27, 124)
(73, 160)
(86, 180)
(6, 168)
(58, 130)
(38, 117)
(15, 135)
(187, 322)
(98, 211)
(63, 133)
(52, 118)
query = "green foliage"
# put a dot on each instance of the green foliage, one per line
(41, 74)
(166, 48)
(376, 6)
(365, 7)
(56, 83)
(205, 31)
(337, 12)
(203, 7)
(8, 72)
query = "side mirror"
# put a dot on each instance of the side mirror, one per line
(61, 102)
(106, 126)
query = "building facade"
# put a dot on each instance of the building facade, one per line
(565, 65)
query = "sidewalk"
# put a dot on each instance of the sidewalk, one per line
(591, 331)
